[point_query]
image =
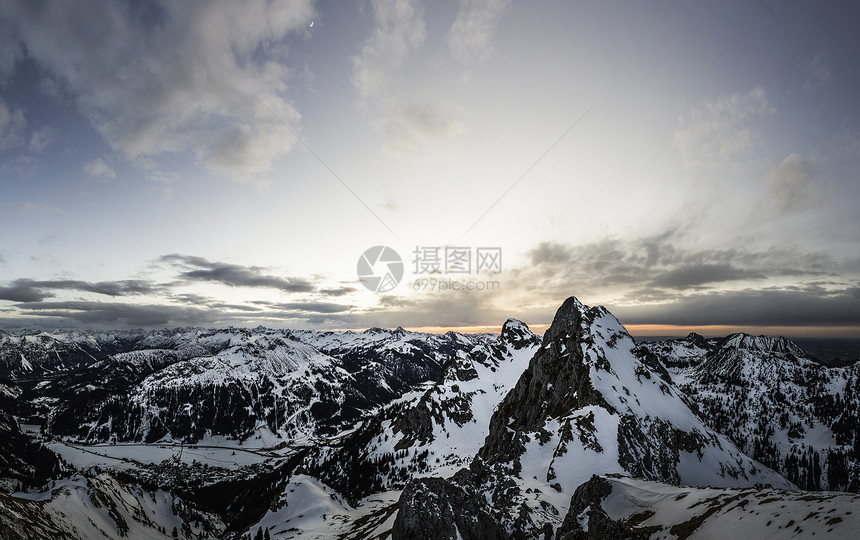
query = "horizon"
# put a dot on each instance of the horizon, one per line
(324, 165)
(635, 331)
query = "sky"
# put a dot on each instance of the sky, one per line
(689, 165)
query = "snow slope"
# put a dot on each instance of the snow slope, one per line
(664, 511)
(780, 407)
(100, 506)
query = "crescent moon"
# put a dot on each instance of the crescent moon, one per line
(312, 24)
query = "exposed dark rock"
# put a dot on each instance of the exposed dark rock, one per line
(555, 383)
(518, 335)
(586, 519)
(435, 508)
(23, 463)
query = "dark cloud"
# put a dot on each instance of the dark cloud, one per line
(323, 319)
(233, 307)
(657, 280)
(115, 288)
(649, 295)
(190, 298)
(23, 292)
(112, 314)
(85, 314)
(28, 290)
(658, 262)
(688, 276)
(750, 307)
(315, 307)
(211, 303)
(201, 269)
(338, 291)
(311, 307)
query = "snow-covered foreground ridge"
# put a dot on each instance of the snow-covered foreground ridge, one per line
(621, 507)
(237, 433)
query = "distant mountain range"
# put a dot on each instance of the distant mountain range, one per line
(580, 433)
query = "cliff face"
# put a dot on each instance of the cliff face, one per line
(588, 404)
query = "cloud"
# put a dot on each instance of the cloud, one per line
(28, 290)
(400, 29)
(204, 311)
(12, 126)
(656, 268)
(693, 275)
(40, 139)
(666, 279)
(769, 307)
(453, 308)
(421, 133)
(23, 292)
(721, 129)
(167, 76)
(153, 173)
(98, 168)
(414, 129)
(234, 275)
(191, 298)
(792, 182)
(608, 261)
(308, 307)
(817, 74)
(338, 291)
(550, 253)
(472, 32)
(113, 315)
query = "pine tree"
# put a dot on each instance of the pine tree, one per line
(816, 471)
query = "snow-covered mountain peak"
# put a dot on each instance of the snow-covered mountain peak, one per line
(588, 395)
(779, 405)
(517, 334)
(743, 355)
(566, 317)
(762, 344)
(697, 340)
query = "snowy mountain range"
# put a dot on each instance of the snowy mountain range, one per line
(580, 433)
(776, 403)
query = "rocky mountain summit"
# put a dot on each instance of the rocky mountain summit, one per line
(586, 405)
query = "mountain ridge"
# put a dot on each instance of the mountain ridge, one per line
(391, 433)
